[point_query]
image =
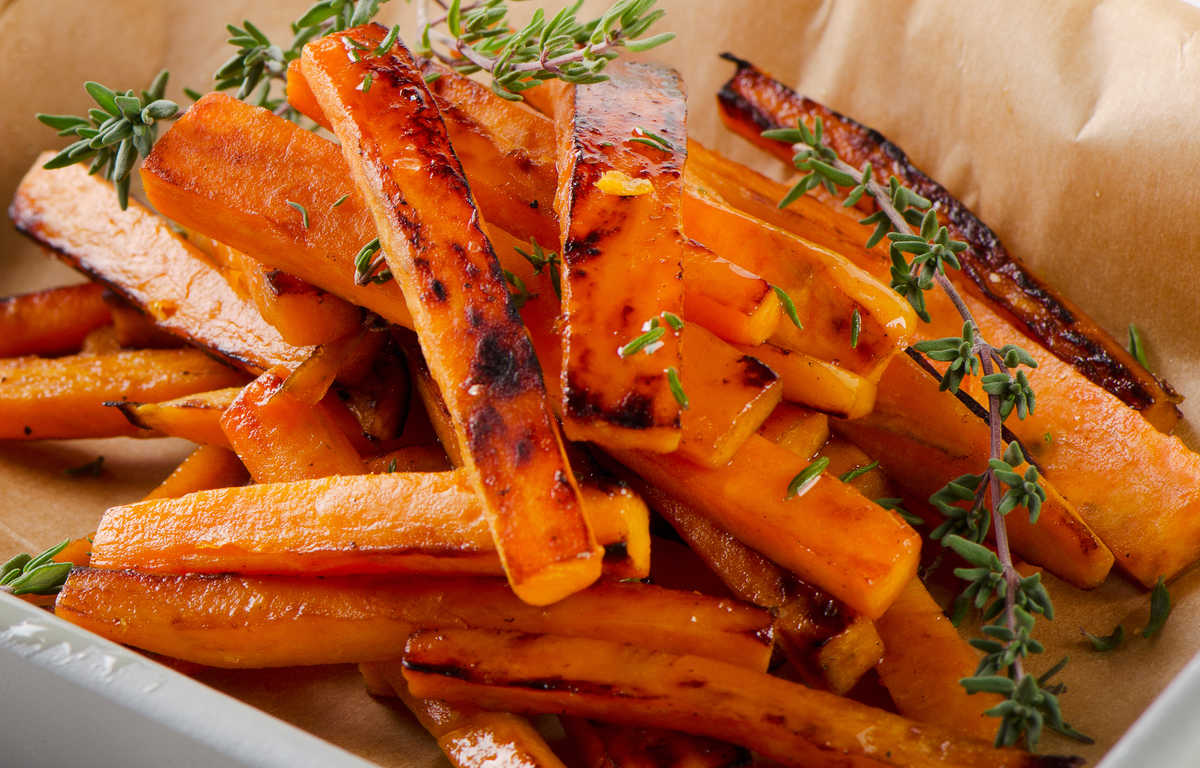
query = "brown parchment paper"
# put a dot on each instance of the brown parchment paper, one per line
(1070, 127)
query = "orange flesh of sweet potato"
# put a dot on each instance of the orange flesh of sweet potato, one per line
(51, 322)
(468, 736)
(737, 391)
(923, 661)
(192, 417)
(826, 288)
(411, 458)
(618, 205)
(923, 439)
(136, 254)
(844, 457)
(395, 522)
(751, 101)
(235, 621)
(209, 466)
(818, 384)
(302, 314)
(629, 685)
(747, 498)
(136, 329)
(507, 151)
(65, 397)
(280, 438)
(197, 175)
(800, 430)
(477, 349)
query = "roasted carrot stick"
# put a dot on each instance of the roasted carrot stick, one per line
(395, 522)
(280, 437)
(66, 397)
(629, 685)
(233, 621)
(192, 417)
(472, 338)
(137, 254)
(469, 737)
(507, 152)
(747, 497)
(209, 466)
(53, 321)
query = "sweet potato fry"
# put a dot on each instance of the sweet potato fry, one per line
(138, 255)
(192, 417)
(618, 206)
(102, 341)
(136, 329)
(923, 661)
(395, 143)
(924, 438)
(629, 685)
(747, 497)
(469, 737)
(207, 467)
(734, 394)
(601, 745)
(280, 437)
(817, 384)
(411, 458)
(752, 100)
(51, 322)
(233, 621)
(66, 397)
(800, 430)
(303, 315)
(847, 458)
(395, 522)
(508, 154)
(826, 288)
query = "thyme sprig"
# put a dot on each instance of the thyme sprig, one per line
(117, 132)
(921, 250)
(477, 37)
(38, 574)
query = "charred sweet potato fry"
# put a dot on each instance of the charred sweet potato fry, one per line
(51, 322)
(66, 397)
(629, 685)
(138, 255)
(621, 148)
(207, 467)
(469, 737)
(734, 394)
(227, 169)
(747, 497)
(923, 661)
(394, 522)
(235, 621)
(478, 351)
(752, 101)
(924, 438)
(508, 154)
(816, 383)
(302, 314)
(192, 417)
(601, 745)
(827, 289)
(280, 437)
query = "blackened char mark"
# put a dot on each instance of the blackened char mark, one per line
(634, 411)
(485, 428)
(755, 373)
(505, 363)
(1052, 323)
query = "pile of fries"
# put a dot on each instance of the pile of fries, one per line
(381, 475)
